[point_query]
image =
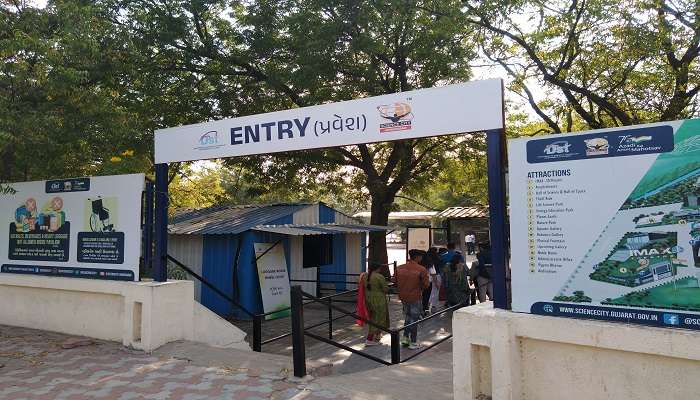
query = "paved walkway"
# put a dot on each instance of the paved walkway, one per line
(42, 365)
(428, 376)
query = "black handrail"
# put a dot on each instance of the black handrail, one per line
(210, 286)
(347, 348)
(346, 312)
(299, 354)
(431, 316)
(258, 319)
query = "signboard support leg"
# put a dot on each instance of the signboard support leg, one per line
(160, 266)
(148, 226)
(495, 151)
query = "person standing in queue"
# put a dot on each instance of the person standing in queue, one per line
(376, 289)
(411, 280)
(484, 285)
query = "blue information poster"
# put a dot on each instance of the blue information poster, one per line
(78, 228)
(606, 224)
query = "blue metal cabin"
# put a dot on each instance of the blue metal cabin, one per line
(217, 243)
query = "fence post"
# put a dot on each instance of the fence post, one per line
(257, 333)
(318, 281)
(495, 161)
(330, 318)
(298, 345)
(160, 261)
(148, 226)
(395, 347)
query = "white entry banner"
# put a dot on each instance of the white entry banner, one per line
(74, 228)
(462, 108)
(274, 278)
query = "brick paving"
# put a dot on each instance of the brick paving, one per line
(35, 365)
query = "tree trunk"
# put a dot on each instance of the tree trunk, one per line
(381, 206)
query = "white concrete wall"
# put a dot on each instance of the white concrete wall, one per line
(517, 356)
(143, 315)
(188, 250)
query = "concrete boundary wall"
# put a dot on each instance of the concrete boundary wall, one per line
(515, 356)
(142, 315)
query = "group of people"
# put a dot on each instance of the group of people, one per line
(427, 279)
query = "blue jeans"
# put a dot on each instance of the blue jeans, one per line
(412, 312)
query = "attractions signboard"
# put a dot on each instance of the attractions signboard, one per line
(274, 279)
(606, 224)
(461, 108)
(78, 228)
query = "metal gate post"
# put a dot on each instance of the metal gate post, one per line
(298, 345)
(160, 262)
(257, 332)
(495, 151)
(148, 226)
(395, 347)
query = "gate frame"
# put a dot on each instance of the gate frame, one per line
(496, 168)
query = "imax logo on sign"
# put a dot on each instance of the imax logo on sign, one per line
(650, 252)
(560, 147)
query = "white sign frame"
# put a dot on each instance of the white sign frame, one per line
(77, 228)
(461, 108)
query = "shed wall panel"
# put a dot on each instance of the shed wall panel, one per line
(296, 258)
(341, 218)
(306, 216)
(326, 215)
(353, 256)
(188, 250)
(217, 268)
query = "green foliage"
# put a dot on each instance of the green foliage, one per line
(60, 92)
(596, 63)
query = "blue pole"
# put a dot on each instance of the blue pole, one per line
(148, 226)
(495, 153)
(160, 261)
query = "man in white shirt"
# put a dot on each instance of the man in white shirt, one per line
(470, 240)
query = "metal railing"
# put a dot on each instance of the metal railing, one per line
(299, 331)
(259, 318)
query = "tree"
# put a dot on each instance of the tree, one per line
(600, 63)
(269, 55)
(60, 110)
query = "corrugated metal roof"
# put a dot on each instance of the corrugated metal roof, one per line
(221, 220)
(320, 229)
(464, 212)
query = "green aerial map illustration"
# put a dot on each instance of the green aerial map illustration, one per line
(647, 255)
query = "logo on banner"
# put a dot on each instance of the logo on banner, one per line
(596, 146)
(400, 116)
(208, 140)
(561, 147)
(638, 144)
(671, 319)
(548, 308)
